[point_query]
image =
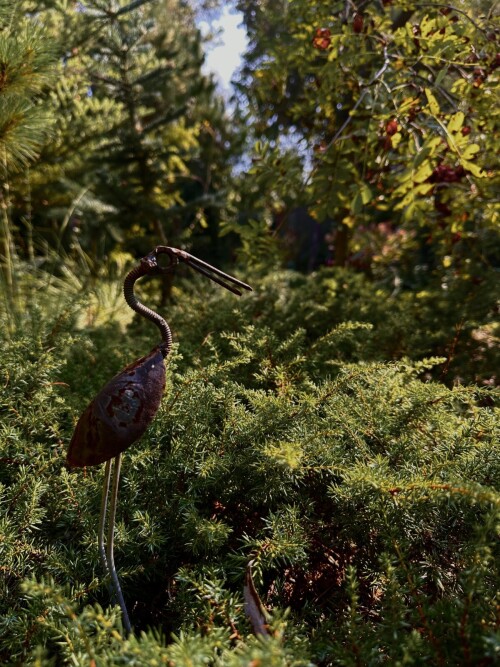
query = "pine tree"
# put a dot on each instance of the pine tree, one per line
(26, 68)
(140, 131)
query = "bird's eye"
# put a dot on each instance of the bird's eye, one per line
(164, 260)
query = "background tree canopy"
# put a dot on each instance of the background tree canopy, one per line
(339, 426)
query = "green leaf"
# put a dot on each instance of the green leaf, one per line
(433, 103)
(421, 156)
(423, 173)
(357, 203)
(366, 194)
(456, 122)
(413, 194)
(441, 75)
(474, 169)
(362, 197)
(470, 151)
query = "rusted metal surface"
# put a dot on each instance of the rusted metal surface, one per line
(254, 608)
(120, 413)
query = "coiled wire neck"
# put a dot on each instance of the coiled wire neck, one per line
(147, 268)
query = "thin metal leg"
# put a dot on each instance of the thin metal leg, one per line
(102, 516)
(110, 544)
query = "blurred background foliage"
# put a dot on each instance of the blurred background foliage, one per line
(339, 425)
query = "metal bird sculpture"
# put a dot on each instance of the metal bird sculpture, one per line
(124, 408)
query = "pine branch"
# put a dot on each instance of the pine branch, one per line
(24, 129)
(133, 5)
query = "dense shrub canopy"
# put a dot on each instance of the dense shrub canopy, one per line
(337, 429)
(364, 495)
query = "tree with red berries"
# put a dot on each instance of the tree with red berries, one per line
(393, 115)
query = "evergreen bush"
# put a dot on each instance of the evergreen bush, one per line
(365, 493)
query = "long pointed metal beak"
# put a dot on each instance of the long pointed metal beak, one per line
(224, 279)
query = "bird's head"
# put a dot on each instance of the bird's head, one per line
(151, 265)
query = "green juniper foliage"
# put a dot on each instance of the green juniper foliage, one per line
(339, 430)
(366, 497)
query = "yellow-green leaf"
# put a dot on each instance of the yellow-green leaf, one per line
(456, 122)
(470, 151)
(407, 103)
(421, 156)
(434, 143)
(433, 103)
(396, 139)
(366, 194)
(423, 172)
(474, 169)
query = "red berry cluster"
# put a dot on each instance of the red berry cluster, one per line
(391, 128)
(446, 174)
(358, 23)
(322, 39)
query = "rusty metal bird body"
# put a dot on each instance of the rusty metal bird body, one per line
(124, 408)
(120, 413)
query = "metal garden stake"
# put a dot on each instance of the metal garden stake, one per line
(124, 408)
